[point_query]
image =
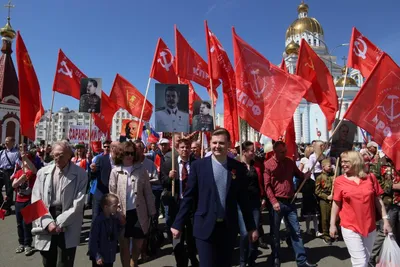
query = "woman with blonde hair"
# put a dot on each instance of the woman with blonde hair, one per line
(356, 198)
(130, 181)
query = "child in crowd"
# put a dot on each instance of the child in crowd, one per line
(22, 182)
(105, 232)
(323, 190)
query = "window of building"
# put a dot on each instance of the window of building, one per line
(79, 123)
(63, 130)
(315, 42)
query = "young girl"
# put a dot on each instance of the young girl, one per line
(22, 182)
(105, 231)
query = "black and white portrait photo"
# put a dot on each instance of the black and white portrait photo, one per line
(172, 108)
(344, 138)
(202, 117)
(90, 100)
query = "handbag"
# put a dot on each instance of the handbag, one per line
(155, 238)
(378, 213)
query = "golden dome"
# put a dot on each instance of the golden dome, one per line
(292, 48)
(350, 82)
(7, 31)
(304, 23)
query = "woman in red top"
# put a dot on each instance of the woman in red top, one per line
(356, 198)
(22, 181)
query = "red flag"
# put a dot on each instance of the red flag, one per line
(221, 68)
(267, 96)
(128, 97)
(363, 54)
(2, 214)
(31, 108)
(376, 107)
(323, 91)
(68, 77)
(157, 162)
(193, 97)
(162, 68)
(104, 119)
(34, 211)
(191, 66)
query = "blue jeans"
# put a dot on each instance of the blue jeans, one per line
(24, 230)
(248, 249)
(289, 212)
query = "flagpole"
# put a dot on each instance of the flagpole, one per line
(90, 133)
(342, 95)
(173, 165)
(240, 136)
(212, 100)
(50, 122)
(144, 103)
(202, 146)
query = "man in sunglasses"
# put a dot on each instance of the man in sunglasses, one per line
(101, 168)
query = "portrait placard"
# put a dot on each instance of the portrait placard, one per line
(130, 129)
(343, 139)
(90, 100)
(172, 108)
(202, 116)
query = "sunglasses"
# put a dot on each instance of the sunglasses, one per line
(106, 146)
(128, 153)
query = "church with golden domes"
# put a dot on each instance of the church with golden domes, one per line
(310, 123)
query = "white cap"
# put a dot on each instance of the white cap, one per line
(372, 143)
(163, 141)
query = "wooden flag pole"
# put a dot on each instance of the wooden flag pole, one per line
(173, 165)
(90, 133)
(144, 103)
(201, 144)
(212, 101)
(240, 137)
(342, 95)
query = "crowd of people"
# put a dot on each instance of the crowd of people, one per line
(206, 197)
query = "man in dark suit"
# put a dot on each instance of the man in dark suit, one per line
(101, 169)
(180, 176)
(216, 186)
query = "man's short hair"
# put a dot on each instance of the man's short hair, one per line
(246, 144)
(222, 131)
(278, 143)
(10, 138)
(183, 140)
(172, 88)
(93, 81)
(207, 104)
(107, 142)
(139, 142)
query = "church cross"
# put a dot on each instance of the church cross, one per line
(344, 60)
(9, 6)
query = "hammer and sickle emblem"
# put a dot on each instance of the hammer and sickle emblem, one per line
(132, 100)
(27, 60)
(64, 69)
(360, 51)
(310, 64)
(390, 113)
(163, 59)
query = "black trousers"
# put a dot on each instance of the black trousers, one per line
(58, 255)
(6, 182)
(217, 251)
(24, 230)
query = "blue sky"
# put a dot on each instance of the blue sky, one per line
(104, 37)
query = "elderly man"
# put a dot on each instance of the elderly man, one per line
(62, 187)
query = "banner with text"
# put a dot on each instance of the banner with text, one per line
(80, 133)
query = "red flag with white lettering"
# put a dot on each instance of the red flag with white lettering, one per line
(221, 68)
(191, 66)
(267, 96)
(103, 120)
(323, 91)
(376, 107)
(68, 77)
(162, 68)
(363, 54)
(128, 97)
(31, 108)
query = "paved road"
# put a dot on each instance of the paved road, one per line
(332, 256)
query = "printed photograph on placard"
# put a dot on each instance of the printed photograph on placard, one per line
(130, 129)
(202, 117)
(172, 108)
(90, 100)
(344, 138)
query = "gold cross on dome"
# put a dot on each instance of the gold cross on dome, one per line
(9, 6)
(344, 60)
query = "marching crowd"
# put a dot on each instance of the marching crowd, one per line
(206, 197)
